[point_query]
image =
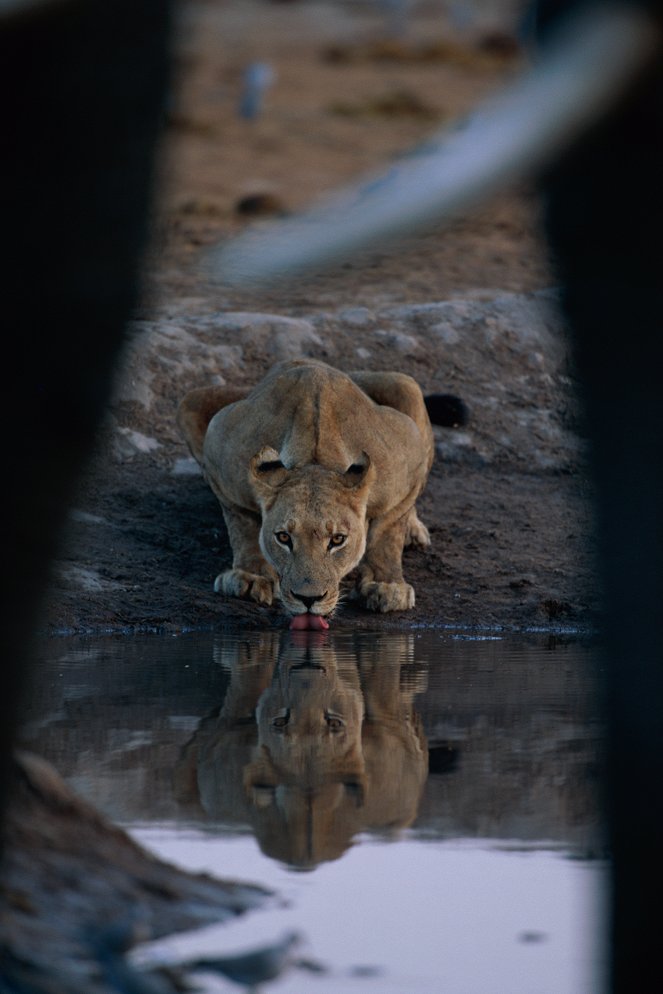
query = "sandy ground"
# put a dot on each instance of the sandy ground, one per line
(508, 502)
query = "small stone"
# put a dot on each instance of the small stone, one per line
(445, 334)
(135, 388)
(294, 341)
(128, 443)
(186, 466)
(86, 579)
(356, 317)
(400, 342)
(85, 518)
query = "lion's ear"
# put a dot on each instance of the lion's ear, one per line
(197, 409)
(267, 469)
(357, 472)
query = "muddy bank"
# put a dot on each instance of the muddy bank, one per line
(507, 502)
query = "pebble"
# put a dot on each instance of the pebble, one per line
(186, 467)
(128, 443)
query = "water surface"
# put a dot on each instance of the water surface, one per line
(425, 802)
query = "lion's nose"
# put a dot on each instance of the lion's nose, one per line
(308, 602)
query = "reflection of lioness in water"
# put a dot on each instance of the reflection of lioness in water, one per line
(311, 746)
(316, 472)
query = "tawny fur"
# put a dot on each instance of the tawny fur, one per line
(317, 473)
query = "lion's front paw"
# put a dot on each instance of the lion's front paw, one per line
(240, 583)
(416, 533)
(388, 596)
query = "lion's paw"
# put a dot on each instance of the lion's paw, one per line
(416, 533)
(241, 583)
(386, 597)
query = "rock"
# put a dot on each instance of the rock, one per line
(85, 518)
(186, 466)
(445, 334)
(166, 349)
(455, 446)
(294, 342)
(530, 323)
(134, 386)
(260, 204)
(400, 342)
(86, 579)
(128, 443)
(77, 892)
(283, 337)
(356, 317)
(501, 355)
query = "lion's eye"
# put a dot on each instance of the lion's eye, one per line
(281, 720)
(283, 538)
(334, 723)
(336, 540)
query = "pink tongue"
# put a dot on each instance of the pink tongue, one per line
(310, 621)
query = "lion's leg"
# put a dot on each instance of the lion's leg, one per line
(416, 533)
(403, 393)
(381, 580)
(251, 576)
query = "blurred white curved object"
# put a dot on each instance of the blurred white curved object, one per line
(580, 73)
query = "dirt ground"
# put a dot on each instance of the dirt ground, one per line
(509, 502)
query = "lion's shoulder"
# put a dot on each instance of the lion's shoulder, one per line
(305, 412)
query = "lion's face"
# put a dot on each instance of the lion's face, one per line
(314, 533)
(310, 717)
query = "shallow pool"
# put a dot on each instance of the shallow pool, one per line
(423, 804)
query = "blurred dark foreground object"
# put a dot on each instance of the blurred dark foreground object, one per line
(84, 85)
(605, 227)
(77, 893)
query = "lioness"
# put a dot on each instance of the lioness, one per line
(317, 472)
